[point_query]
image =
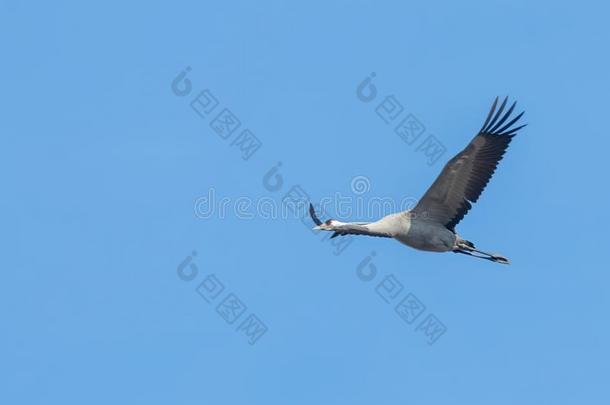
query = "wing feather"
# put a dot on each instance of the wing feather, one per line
(465, 176)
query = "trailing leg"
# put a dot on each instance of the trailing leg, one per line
(466, 247)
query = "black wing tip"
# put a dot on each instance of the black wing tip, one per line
(495, 120)
(512, 132)
(313, 215)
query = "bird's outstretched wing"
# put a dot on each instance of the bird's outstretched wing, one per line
(465, 176)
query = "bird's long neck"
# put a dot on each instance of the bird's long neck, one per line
(353, 228)
(367, 228)
(390, 225)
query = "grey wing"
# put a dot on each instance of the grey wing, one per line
(464, 177)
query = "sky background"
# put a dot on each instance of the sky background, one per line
(101, 165)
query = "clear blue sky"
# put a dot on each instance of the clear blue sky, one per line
(102, 163)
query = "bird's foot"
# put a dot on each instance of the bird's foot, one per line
(500, 259)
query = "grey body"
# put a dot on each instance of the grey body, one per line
(430, 226)
(429, 236)
(420, 234)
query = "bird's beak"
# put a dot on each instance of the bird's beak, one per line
(317, 228)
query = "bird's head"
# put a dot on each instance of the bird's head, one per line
(329, 225)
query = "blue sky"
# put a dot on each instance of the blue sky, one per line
(102, 165)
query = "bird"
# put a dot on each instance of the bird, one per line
(431, 224)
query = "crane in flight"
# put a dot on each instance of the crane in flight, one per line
(430, 225)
